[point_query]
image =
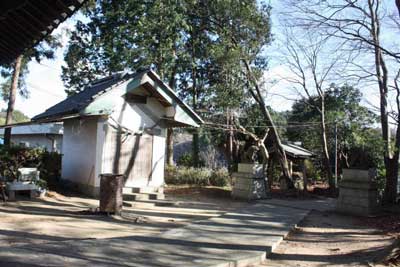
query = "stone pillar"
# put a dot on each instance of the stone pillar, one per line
(249, 182)
(358, 194)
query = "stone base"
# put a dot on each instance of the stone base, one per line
(358, 194)
(248, 183)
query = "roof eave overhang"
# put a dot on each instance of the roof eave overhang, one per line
(26, 23)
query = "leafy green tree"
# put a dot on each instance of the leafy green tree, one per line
(356, 145)
(244, 29)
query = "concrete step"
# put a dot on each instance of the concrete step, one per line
(146, 189)
(142, 196)
(148, 203)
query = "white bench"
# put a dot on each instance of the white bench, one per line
(25, 182)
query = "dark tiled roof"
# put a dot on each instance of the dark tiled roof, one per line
(75, 103)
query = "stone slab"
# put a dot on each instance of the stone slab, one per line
(237, 239)
(359, 175)
(254, 169)
(358, 193)
(358, 185)
(21, 186)
(248, 189)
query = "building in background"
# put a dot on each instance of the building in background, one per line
(48, 136)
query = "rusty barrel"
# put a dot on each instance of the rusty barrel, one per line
(111, 193)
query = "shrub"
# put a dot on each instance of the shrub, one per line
(196, 176)
(50, 168)
(220, 177)
(185, 160)
(14, 157)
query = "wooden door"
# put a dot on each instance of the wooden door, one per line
(134, 157)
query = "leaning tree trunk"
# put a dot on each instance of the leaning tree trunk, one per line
(257, 96)
(11, 99)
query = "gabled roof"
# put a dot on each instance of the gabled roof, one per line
(75, 103)
(95, 99)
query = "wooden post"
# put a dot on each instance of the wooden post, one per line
(170, 146)
(305, 180)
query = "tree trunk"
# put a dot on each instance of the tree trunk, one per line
(305, 179)
(11, 99)
(170, 131)
(270, 174)
(170, 146)
(195, 138)
(398, 5)
(196, 149)
(392, 173)
(391, 156)
(390, 193)
(229, 141)
(257, 96)
(326, 159)
(278, 147)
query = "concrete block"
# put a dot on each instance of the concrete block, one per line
(359, 175)
(249, 189)
(256, 170)
(357, 192)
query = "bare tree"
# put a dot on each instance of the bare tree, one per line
(358, 24)
(311, 66)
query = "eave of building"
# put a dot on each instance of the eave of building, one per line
(24, 23)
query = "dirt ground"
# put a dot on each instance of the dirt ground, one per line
(328, 239)
(59, 218)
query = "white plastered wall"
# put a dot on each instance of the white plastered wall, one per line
(79, 151)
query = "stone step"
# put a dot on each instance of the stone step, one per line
(142, 196)
(146, 189)
(148, 203)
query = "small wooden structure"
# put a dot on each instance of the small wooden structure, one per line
(296, 155)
